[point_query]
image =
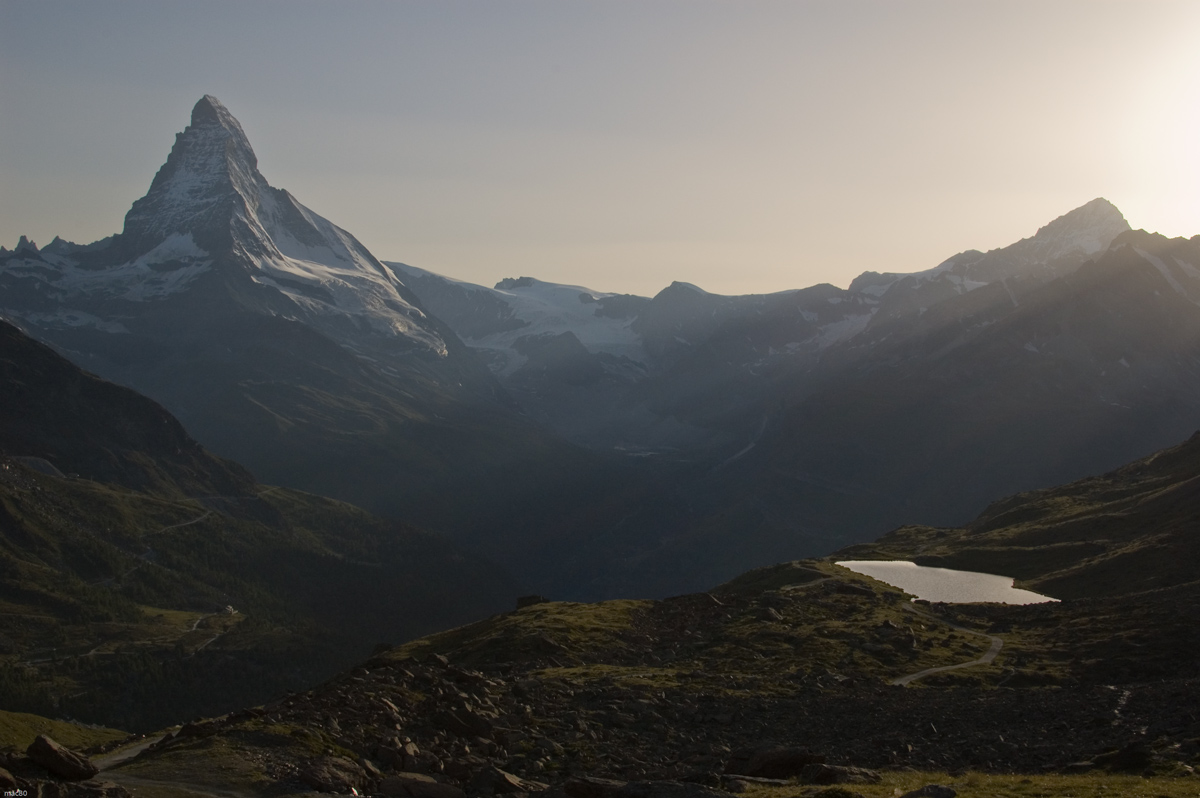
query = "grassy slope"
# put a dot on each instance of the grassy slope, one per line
(112, 601)
(1127, 531)
(17, 729)
(797, 653)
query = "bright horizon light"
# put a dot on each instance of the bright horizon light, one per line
(743, 147)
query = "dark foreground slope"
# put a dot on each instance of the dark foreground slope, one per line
(143, 580)
(806, 655)
(799, 655)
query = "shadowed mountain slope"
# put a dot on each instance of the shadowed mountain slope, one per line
(83, 425)
(157, 582)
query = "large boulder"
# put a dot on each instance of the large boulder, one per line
(1133, 757)
(494, 781)
(465, 722)
(669, 789)
(76, 789)
(592, 787)
(773, 762)
(418, 785)
(931, 791)
(838, 774)
(333, 774)
(60, 760)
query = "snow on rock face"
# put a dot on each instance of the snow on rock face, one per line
(210, 190)
(210, 167)
(1087, 230)
(1055, 249)
(165, 269)
(538, 308)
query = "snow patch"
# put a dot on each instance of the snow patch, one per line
(1165, 271)
(876, 290)
(842, 329)
(137, 281)
(554, 308)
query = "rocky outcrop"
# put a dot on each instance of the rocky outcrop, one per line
(76, 789)
(418, 785)
(60, 760)
(837, 774)
(931, 791)
(775, 762)
(333, 774)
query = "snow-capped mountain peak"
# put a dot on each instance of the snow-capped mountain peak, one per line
(1088, 229)
(210, 213)
(211, 168)
(1055, 249)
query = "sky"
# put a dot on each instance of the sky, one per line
(744, 146)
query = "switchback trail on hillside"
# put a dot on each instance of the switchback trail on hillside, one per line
(986, 659)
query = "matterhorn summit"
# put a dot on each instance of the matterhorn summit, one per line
(211, 224)
(272, 334)
(210, 179)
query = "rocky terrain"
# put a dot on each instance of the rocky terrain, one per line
(800, 673)
(785, 669)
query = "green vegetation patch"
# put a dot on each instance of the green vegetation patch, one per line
(986, 785)
(18, 729)
(217, 762)
(560, 629)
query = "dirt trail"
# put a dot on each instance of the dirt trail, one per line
(185, 523)
(162, 787)
(106, 761)
(143, 785)
(987, 658)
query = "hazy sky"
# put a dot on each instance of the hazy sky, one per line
(742, 146)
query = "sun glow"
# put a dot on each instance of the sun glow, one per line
(1162, 148)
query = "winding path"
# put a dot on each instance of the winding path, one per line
(986, 659)
(185, 523)
(178, 787)
(122, 755)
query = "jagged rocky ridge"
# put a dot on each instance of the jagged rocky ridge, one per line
(568, 352)
(210, 214)
(281, 342)
(821, 417)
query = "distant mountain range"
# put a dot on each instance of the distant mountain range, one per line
(605, 444)
(680, 370)
(826, 415)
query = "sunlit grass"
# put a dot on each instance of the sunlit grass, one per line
(984, 785)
